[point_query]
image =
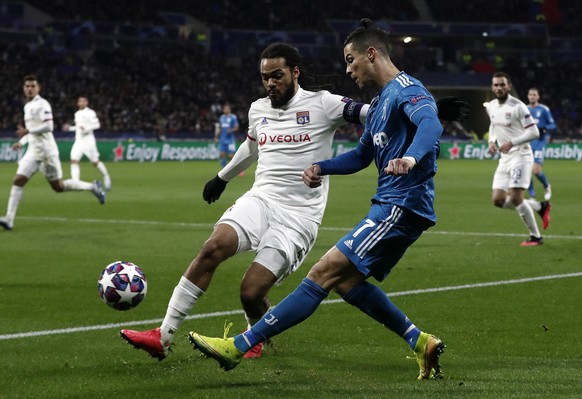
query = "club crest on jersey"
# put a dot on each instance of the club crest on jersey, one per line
(302, 117)
(264, 121)
(508, 115)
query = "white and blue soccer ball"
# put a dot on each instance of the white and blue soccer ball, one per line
(122, 285)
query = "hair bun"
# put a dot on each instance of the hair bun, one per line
(366, 22)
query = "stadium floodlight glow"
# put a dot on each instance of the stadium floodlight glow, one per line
(484, 34)
(407, 39)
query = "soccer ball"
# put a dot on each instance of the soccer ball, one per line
(122, 285)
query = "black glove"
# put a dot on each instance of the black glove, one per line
(213, 189)
(452, 109)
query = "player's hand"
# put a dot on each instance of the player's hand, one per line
(16, 146)
(312, 177)
(504, 149)
(398, 167)
(453, 109)
(21, 131)
(66, 127)
(492, 149)
(213, 189)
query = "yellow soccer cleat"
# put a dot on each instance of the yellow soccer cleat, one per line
(428, 351)
(221, 349)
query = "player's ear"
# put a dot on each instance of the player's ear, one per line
(296, 72)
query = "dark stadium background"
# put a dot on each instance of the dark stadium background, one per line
(161, 70)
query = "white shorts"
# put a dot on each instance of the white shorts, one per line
(513, 172)
(50, 166)
(262, 226)
(88, 149)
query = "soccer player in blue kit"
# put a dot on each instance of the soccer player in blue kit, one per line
(226, 127)
(546, 125)
(401, 135)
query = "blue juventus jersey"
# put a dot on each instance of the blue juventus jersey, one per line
(391, 132)
(543, 118)
(227, 122)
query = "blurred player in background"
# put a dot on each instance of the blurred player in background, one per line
(546, 125)
(402, 135)
(86, 122)
(42, 153)
(224, 134)
(511, 130)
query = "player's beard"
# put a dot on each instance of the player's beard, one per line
(279, 100)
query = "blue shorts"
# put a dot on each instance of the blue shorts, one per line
(228, 147)
(378, 242)
(538, 147)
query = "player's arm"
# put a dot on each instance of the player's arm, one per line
(428, 132)
(244, 157)
(352, 161)
(93, 123)
(20, 143)
(492, 140)
(530, 130)
(344, 164)
(44, 127)
(355, 112)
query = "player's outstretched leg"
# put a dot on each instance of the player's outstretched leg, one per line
(428, 351)
(149, 341)
(221, 349)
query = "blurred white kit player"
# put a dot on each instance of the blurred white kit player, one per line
(42, 153)
(86, 122)
(510, 131)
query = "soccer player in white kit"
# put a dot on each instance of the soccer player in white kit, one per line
(510, 131)
(279, 216)
(86, 122)
(42, 153)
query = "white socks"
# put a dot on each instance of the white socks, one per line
(183, 299)
(75, 171)
(527, 215)
(13, 202)
(535, 205)
(77, 185)
(103, 170)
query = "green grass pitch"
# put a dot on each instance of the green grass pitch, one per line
(511, 331)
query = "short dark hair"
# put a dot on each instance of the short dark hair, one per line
(367, 35)
(501, 74)
(29, 78)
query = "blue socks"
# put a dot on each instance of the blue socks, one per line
(292, 310)
(302, 302)
(542, 177)
(375, 303)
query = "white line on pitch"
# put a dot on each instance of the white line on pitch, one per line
(209, 226)
(330, 301)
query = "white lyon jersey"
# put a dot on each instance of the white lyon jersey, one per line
(508, 122)
(38, 112)
(291, 139)
(86, 122)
